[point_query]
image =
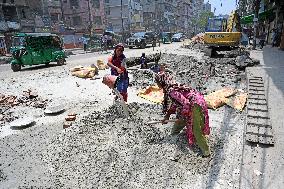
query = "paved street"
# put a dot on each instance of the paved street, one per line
(263, 165)
(80, 58)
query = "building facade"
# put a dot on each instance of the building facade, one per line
(117, 15)
(84, 16)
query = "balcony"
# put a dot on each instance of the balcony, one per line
(13, 25)
(5, 26)
(27, 23)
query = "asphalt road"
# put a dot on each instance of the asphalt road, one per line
(81, 58)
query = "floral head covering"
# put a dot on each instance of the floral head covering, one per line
(166, 81)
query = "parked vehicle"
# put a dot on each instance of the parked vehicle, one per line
(141, 40)
(36, 48)
(112, 38)
(178, 37)
(166, 37)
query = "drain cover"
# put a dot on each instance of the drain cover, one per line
(22, 122)
(54, 109)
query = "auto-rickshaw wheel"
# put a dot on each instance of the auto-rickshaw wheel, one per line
(143, 45)
(15, 67)
(60, 62)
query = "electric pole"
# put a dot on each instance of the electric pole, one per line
(62, 12)
(255, 21)
(90, 18)
(122, 20)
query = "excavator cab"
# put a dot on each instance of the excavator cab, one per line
(218, 24)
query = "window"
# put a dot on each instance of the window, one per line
(74, 3)
(23, 13)
(77, 21)
(98, 20)
(106, 1)
(96, 4)
(54, 17)
(108, 11)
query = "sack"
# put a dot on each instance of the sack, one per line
(238, 101)
(76, 68)
(214, 102)
(218, 98)
(153, 94)
(81, 73)
(101, 65)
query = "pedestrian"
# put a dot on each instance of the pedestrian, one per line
(85, 43)
(190, 108)
(262, 38)
(104, 42)
(143, 62)
(275, 37)
(118, 67)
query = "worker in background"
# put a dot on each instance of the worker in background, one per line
(143, 62)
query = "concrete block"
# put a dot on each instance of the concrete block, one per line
(256, 84)
(256, 93)
(258, 122)
(261, 108)
(266, 140)
(252, 129)
(266, 131)
(257, 101)
(254, 113)
(252, 138)
(256, 89)
(256, 97)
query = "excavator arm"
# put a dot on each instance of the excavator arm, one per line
(234, 23)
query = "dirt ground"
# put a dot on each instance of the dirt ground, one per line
(104, 150)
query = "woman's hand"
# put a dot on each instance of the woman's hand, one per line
(165, 120)
(119, 70)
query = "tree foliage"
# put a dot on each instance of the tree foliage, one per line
(203, 19)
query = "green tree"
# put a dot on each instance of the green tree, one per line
(203, 19)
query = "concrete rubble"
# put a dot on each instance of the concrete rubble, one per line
(28, 98)
(101, 149)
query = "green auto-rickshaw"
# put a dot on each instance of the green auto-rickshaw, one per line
(166, 37)
(36, 48)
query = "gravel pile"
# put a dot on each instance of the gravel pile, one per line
(142, 78)
(125, 153)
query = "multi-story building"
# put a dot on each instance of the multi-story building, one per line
(207, 7)
(149, 13)
(84, 15)
(185, 10)
(11, 14)
(136, 21)
(15, 16)
(118, 15)
(167, 13)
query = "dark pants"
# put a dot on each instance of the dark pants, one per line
(85, 47)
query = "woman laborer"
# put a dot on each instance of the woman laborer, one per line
(118, 68)
(191, 110)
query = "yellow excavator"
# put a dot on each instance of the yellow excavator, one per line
(222, 34)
